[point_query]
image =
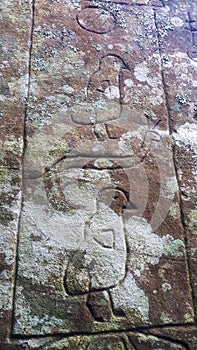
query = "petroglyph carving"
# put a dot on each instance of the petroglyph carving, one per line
(96, 20)
(93, 269)
(112, 85)
(100, 242)
(105, 93)
(116, 194)
(103, 240)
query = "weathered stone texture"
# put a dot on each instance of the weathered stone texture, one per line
(80, 212)
(98, 175)
(122, 341)
(15, 17)
(179, 57)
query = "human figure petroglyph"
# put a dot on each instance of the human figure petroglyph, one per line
(96, 244)
(103, 238)
(104, 261)
(90, 269)
(103, 244)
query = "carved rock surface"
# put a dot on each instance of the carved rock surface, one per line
(15, 19)
(98, 175)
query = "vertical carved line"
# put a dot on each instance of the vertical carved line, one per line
(171, 130)
(29, 64)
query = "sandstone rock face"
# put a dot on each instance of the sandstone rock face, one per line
(98, 174)
(15, 37)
